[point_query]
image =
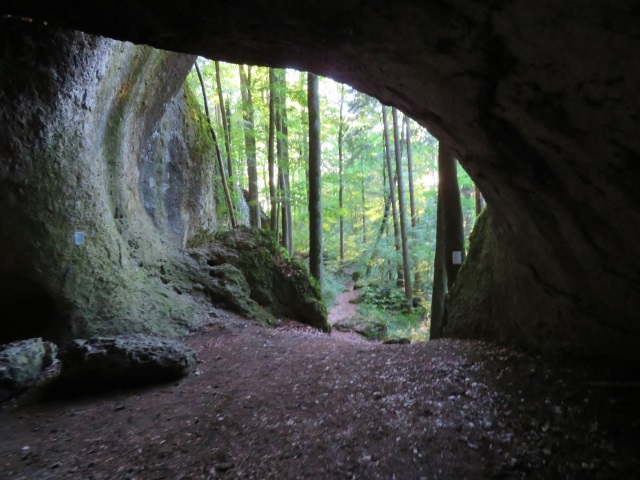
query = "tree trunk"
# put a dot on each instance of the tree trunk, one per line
(449, 237)
(392, 192)
(453, 218)
(384, 223)
(282, 149)
(363, 203)
(403, 215)
(412, 201)
(226, 125)
(271, 157)
(439, 293)
(232, 216)
(341, 172)
(250, 144)
(383, 226)
(315, 182)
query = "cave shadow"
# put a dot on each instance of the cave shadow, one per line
(29, 310)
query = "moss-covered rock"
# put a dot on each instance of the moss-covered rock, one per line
(271, 279)
(22, 362)
(97, 137)
(126, 359)
(367, 327)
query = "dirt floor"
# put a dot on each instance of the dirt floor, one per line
(293, 403)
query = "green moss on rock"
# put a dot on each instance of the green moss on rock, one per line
(369, 328)
(278, 283)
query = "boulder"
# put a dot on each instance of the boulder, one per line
(368, 328)
(250, 273)
(21, 363)
(126, 359)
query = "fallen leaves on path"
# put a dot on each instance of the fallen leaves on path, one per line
(295, 403)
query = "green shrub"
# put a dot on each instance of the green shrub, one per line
(384, 296)
(400, 325)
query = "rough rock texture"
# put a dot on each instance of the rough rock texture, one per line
(125, 359)
(539, 101)
(22, 362)
(478, 310)
(97, 137)
(371, 329)
(248, 270)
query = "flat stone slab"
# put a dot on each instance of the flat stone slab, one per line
(125, 359)
(22, 362)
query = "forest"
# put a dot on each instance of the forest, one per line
(379, 234)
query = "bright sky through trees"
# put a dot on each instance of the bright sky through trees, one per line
(365, 183)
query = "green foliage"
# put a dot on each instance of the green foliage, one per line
(367, 326)
(399, 325)
(385, 304)
(333, 285)
(364, 181)
(383, 297)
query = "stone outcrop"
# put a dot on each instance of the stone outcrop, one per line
(249, 272)
(538, 100)
(102, 362)
(369, 328)
(21, 363)
(98, 138)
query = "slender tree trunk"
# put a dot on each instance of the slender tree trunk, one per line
(449, 237)
(232, 216)
(403, 215)
(363, 203)
(439, 293)
(315, 182)
(392, 192)
(453, 218)
(250, 144)
(271, 155)
(383, 226)
(218, 115)
(412, 201)
(226, 125)
(282, 148)
(341, 172)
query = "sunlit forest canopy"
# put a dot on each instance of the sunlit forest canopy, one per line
(351, 134)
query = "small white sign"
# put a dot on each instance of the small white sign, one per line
(78, 238)
(456, 257)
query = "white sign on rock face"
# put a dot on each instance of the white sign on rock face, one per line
(78, 238)
(456, 257)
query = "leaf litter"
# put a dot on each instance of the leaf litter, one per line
(291, 403)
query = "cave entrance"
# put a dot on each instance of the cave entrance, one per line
(378, 237)
(28, 310)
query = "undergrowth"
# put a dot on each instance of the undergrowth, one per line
(386, 303)
(333, 285)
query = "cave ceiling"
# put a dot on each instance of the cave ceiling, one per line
(538, 100)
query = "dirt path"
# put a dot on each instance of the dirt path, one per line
(293, 403)
(343, 307)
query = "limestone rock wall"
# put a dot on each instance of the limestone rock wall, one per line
(96, 137)
(539, 101)
(498, 297)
